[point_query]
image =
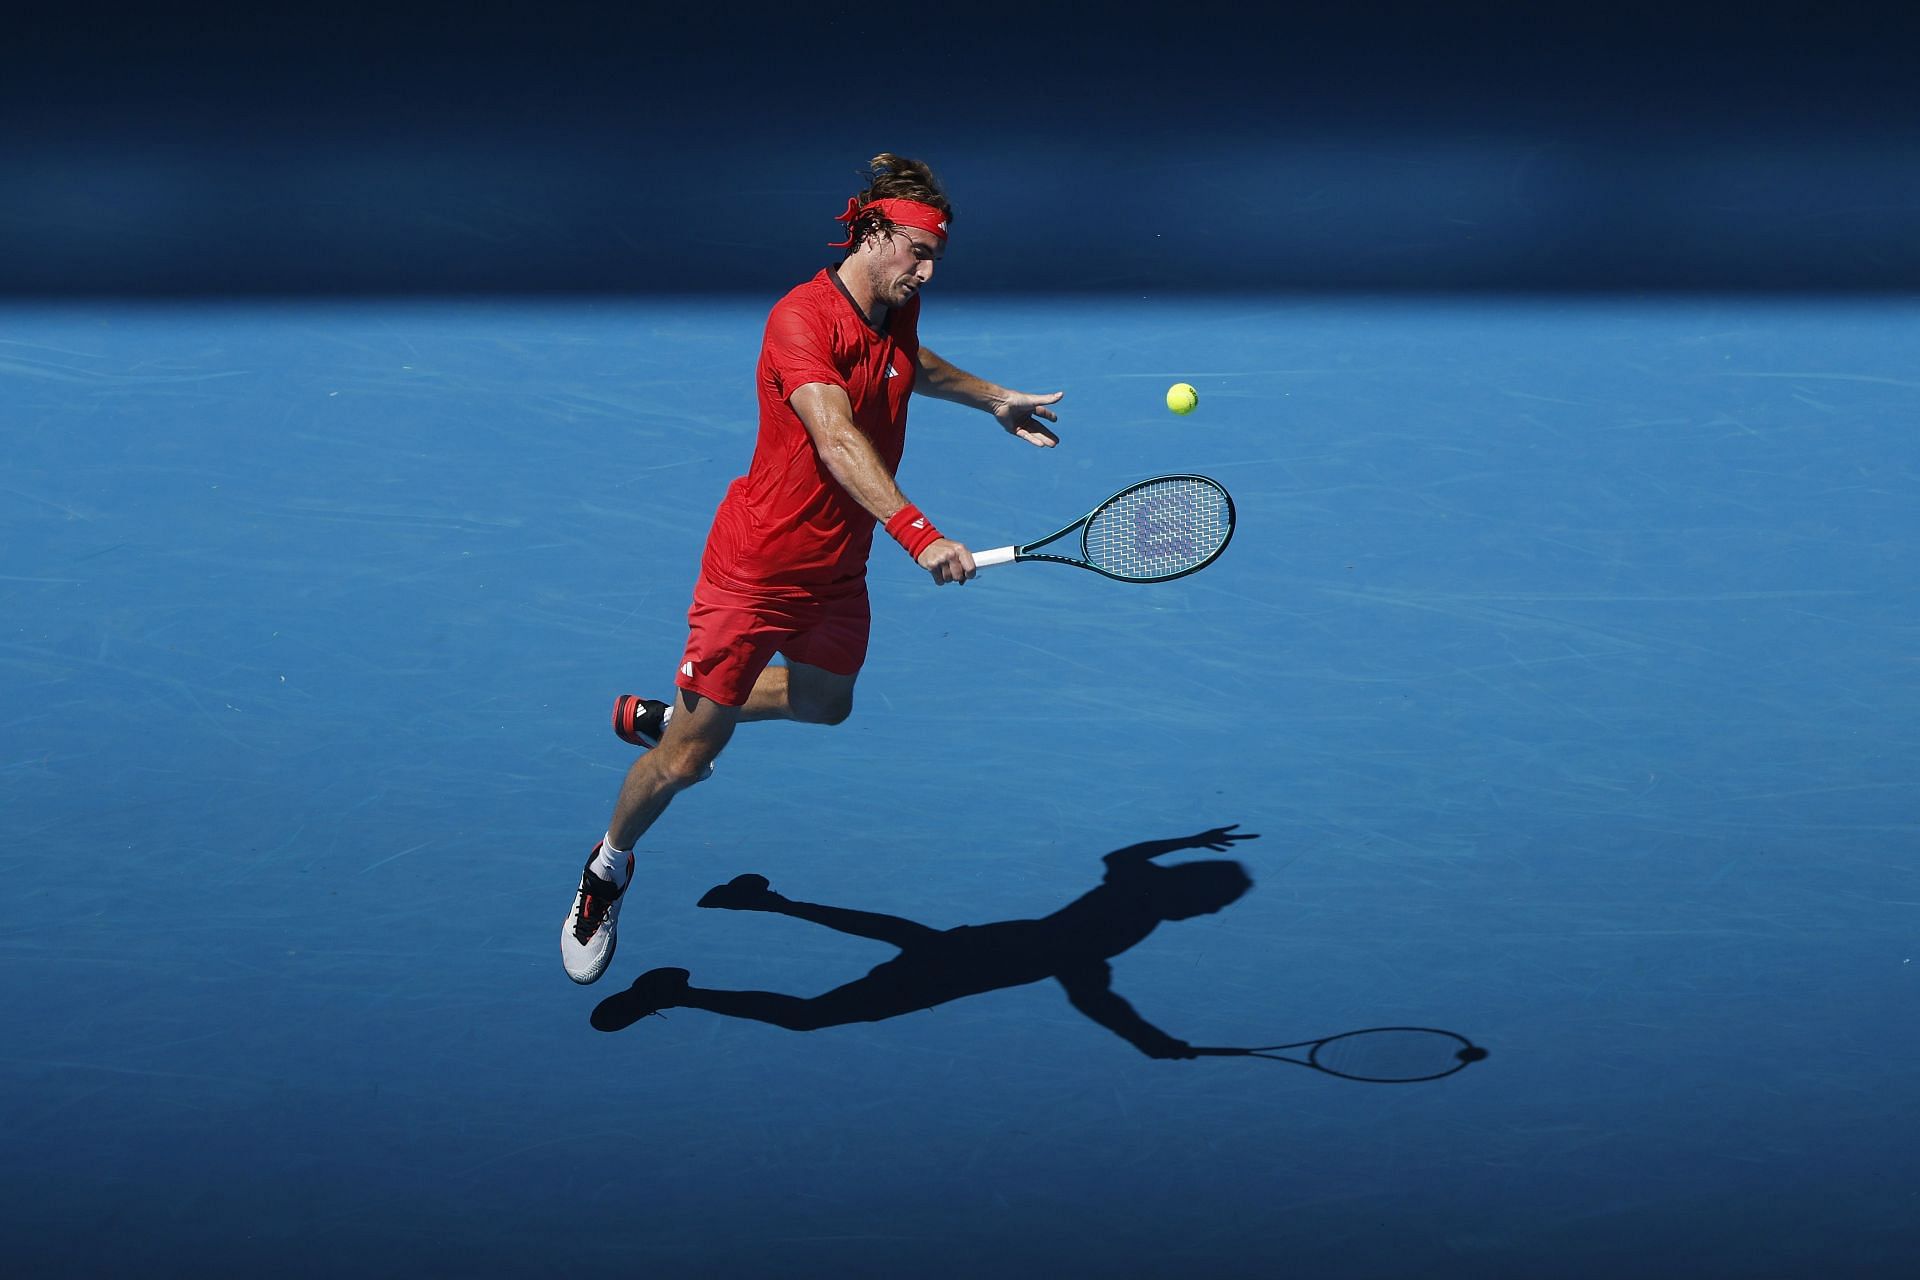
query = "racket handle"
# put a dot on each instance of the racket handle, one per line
(998, 555)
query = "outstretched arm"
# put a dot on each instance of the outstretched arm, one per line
(851, 459)
(1090, 991)
(1219, 839)
(1019, 412)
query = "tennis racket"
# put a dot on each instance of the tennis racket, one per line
(1378, 1055)
(1153, 531)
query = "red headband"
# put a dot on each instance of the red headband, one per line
(906, 213)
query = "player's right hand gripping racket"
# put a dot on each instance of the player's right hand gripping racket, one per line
(1153, 531)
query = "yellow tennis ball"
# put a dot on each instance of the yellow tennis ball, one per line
(1182, 398)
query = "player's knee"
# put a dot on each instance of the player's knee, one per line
(832, 708)
(833, 711)
(686, 768)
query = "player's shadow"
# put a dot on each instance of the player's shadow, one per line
(1071, 946)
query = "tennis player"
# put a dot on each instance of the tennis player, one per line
(784, 570)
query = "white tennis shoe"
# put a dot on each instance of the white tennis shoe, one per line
(588, 937)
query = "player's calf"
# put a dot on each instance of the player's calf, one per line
(832, 708)
(642, 722)
(683, 766)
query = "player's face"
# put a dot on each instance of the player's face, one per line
(901, 263)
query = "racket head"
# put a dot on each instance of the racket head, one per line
(1159, 529)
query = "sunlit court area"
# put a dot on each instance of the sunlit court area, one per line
(1500, 860)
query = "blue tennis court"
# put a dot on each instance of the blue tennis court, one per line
(1563, 662)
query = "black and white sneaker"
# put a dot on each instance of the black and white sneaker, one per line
(588, 937)
(640, 721)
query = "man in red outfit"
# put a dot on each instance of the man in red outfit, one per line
(786, 560)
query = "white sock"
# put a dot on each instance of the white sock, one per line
(609, 865)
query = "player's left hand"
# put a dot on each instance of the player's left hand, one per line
(1022, 415)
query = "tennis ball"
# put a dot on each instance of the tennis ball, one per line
(1182, 398)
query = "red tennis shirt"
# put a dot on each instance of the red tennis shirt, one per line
(787, 528)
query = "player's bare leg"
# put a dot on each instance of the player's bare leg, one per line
(678, 752)
(695, 735)
(796, 691)
(698, 730)
(684, 755)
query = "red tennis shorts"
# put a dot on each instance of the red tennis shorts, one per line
(732, 635)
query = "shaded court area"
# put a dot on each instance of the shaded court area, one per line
(1562, 667)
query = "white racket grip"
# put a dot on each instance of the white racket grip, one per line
(998, 555)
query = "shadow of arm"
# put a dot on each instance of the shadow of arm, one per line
(1090, 991)
(1218, 839)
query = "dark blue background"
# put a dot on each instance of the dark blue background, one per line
(1201, 146)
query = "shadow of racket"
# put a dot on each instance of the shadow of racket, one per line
(1375, 1055)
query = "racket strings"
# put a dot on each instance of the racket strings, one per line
(1160, 529)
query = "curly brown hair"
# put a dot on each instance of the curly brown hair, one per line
(892, 177)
